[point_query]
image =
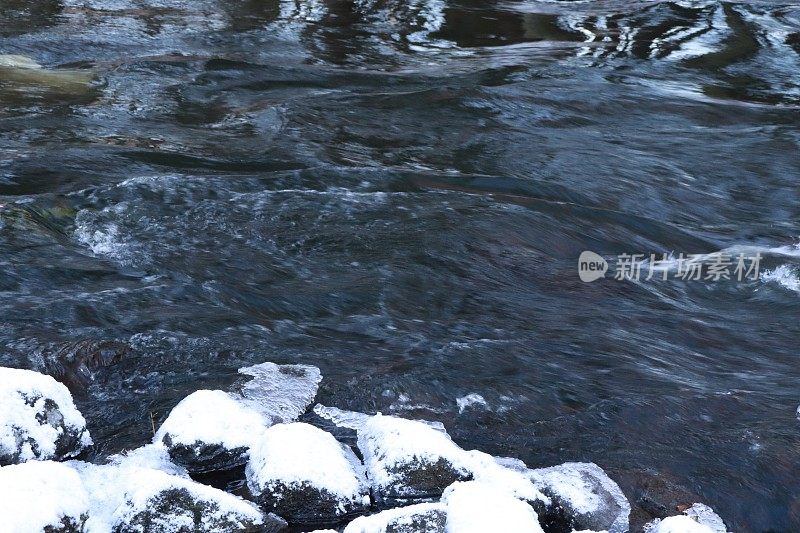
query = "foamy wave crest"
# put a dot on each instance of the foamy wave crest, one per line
(785, 275)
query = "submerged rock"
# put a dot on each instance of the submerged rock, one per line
(583, 497)
(42, 496)
(210, 430)
(127, 498)
(304, 475)
(409, 460)
(475, 507)
(38, 419)
(419, 518)
(74, 363)
(26, 71)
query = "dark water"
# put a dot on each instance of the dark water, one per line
(397, 192)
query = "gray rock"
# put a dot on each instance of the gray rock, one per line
(303, 474)
(408, 460)
(583, 497)
(419, 518)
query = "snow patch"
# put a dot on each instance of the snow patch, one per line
(474, 507)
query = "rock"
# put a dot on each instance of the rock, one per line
(38, 419)
(303, 474)
(127, 498)
(210, 430)
(74, 363)
(583, 497)
(42, 496)
(475, 507)
(409, 460)
(698, 518)
(676, 524)
(281, 393)
(419, 518)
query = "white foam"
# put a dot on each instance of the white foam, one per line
(472, 399)
(784, 275)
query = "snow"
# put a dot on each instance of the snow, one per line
(152, 456)
(677, 524)
(299, 454)
(388, 442)
(281, 393)
(474, 507)
(576, 485)
(381, 522)
(38, 494)
(19, 388)
(212, 417)
(472, 399)
(123, 488)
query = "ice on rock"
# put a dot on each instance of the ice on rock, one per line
(583, 496)
(355, 420)
(475, 507)
(281, 393)
(419, 518)
(38, 419)
(677, 524)
(305, 475)
(152, 456)
(41, 496)
(406, 459)
(706, 516)
(127, 498)
(210, 430)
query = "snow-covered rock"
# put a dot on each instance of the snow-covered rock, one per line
(419, 518)
(127, 498)
(583, 497)
(409, 460)
(355, 420)
(210, 430)
(475, 507)
(698, 518)
(304, 475)
(281, 393)
(706, 516)
(38, 419)
(677, 524)
(42, 496)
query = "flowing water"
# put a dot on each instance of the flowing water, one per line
(397, 191)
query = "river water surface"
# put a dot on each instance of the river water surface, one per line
(398, 192)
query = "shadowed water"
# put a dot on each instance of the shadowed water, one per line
(398, 192)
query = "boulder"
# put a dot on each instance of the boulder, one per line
(127, 498)
(303, 474)
(38, 419)
(42, 496)
(583, 497)
(419, 518)
(210, 430)
(408, 460)
(475, 507)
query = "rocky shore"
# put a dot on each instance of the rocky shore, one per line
(403, 476)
